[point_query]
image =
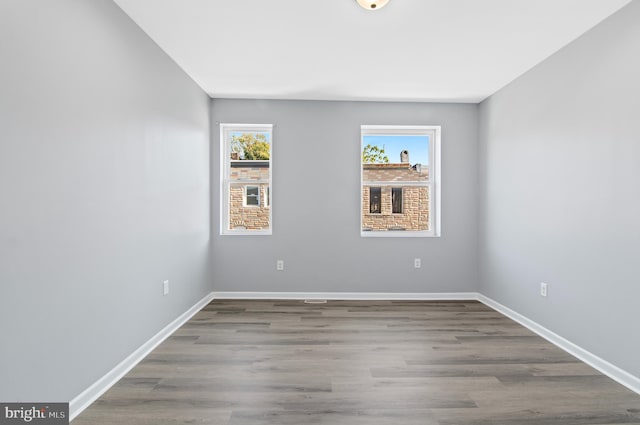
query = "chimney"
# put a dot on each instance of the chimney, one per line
(404, 156)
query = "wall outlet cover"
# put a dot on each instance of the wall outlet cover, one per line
(544, 288)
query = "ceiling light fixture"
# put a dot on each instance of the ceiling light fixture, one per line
(372, 4)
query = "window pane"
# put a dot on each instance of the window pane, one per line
(396, 200)
(250, 146)
(412, 150)
(375, 200)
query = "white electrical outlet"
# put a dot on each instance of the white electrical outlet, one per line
(417, 263)
(543, 289)
(165, 287)
(280, 265)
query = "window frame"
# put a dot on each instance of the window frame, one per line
(225, 182)
(433, 184)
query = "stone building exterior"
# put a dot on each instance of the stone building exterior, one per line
(249, 195)
(389, 203)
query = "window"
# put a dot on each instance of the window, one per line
(246, 158)
(400, 169)
(375, 195)
(396, 200)
(251, 196)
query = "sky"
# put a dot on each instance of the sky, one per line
(418, 147)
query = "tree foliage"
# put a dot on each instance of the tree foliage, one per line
(374, 154)
(251, 146)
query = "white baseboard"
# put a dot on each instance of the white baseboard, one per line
(614, 372)
(91, 394)
(364, 296)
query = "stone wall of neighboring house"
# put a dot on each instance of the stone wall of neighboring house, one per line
(250, 217)
(415, 199)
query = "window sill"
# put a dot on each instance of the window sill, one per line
(397, 234)
(244, 232)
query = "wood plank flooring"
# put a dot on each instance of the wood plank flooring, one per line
(345, 362)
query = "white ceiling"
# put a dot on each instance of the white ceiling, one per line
(411, 50)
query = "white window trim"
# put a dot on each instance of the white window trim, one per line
(225, 165)
(434, 183)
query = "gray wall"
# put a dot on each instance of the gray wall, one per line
(316, 200)
(560, 171)
(104, 146)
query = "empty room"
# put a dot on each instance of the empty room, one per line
(341, 212)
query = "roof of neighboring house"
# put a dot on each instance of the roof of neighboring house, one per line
(387, 166)
(246, 163)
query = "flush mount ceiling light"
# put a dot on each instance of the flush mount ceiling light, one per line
(372, 4)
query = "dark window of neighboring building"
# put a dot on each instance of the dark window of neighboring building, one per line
(375, 204)
(396, 200)
(253, 196)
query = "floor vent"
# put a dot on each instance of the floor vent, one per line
(315, 301)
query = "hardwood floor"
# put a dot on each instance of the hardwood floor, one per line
(346, 362)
